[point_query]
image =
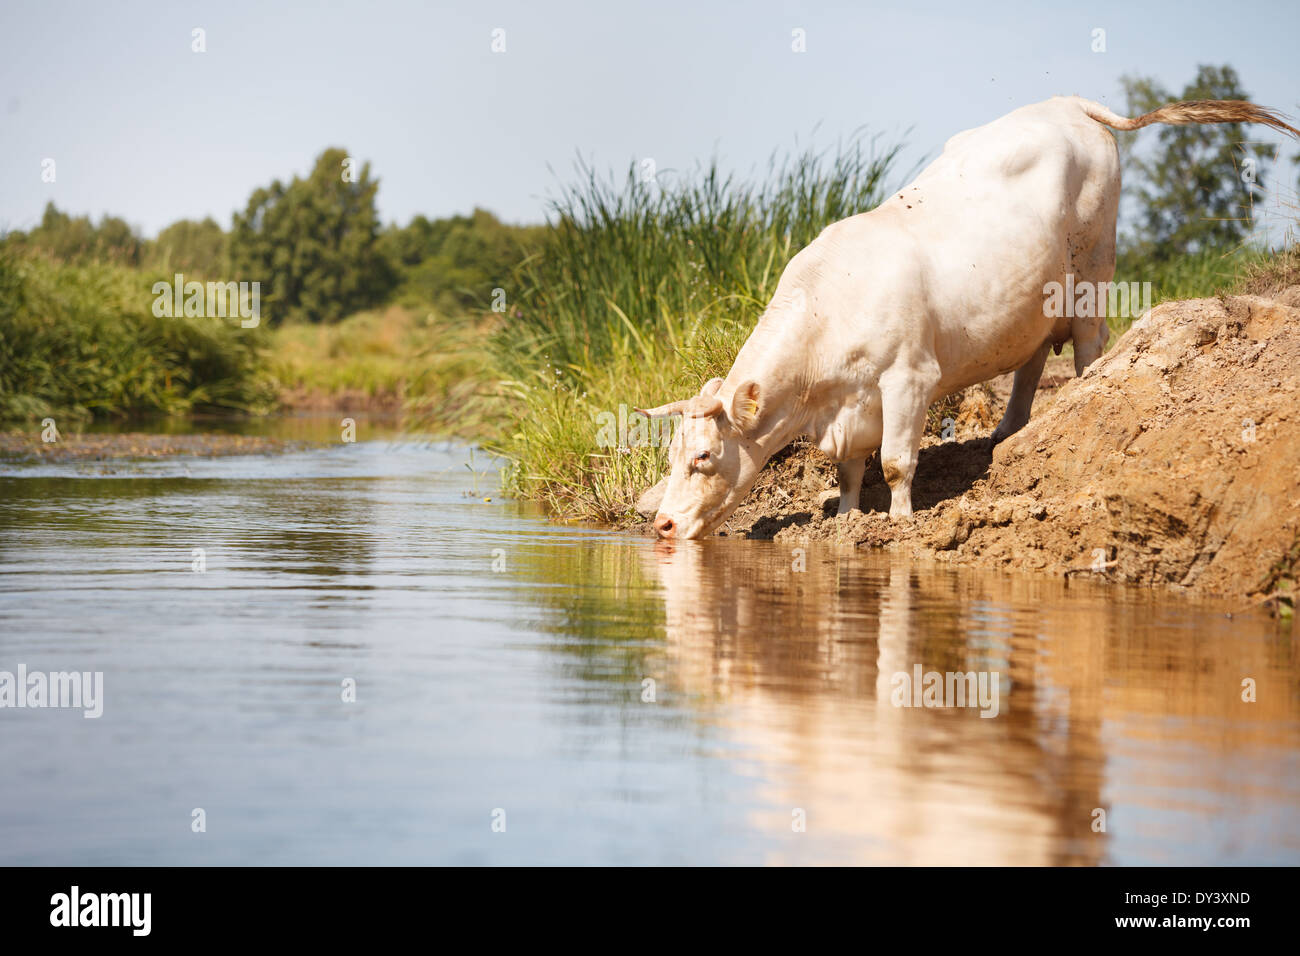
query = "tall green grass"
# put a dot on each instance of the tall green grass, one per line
(641, 291)
(78, 341)
(1197, 276)
(1194, 276)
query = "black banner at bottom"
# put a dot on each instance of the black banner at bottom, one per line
(1224, 905)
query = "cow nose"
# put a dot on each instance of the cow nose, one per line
(664, 525)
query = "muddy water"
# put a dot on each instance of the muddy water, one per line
(503, 670)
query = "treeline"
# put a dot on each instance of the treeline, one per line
(315, 244)
(79, 337)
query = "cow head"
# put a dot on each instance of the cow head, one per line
(713, 459)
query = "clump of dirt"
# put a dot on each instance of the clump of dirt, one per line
(1174, 460)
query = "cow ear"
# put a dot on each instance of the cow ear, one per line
(746, 406)
(711, 386)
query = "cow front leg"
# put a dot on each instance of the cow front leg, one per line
(905, 398)
(1023, 388)
(850, 476)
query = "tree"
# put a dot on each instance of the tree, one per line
(455, 263)
(77, 240)
(1192, 191)
(313, 242)
(190, 247)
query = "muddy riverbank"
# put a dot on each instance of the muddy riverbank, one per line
(30, 445)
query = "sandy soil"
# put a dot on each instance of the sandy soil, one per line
(1174, 460)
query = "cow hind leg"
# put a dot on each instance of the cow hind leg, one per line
(1096, 267)
(905, 398)
(850, 475)
(1023, 387)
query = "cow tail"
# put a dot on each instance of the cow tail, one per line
(1192, 112)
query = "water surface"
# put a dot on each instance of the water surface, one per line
(502, 667)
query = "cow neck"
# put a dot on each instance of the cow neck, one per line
(767, 358)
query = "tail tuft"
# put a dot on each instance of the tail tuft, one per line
(1192, 112)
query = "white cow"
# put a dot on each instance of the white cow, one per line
(938, 288)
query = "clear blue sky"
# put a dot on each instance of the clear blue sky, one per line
(142, 127)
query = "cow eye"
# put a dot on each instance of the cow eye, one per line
(702, 455)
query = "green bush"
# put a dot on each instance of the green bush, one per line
(82, 340)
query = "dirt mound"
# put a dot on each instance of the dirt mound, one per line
(1174, 460)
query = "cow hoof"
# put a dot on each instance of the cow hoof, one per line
(1001, 433)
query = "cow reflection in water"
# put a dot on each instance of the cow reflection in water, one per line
(800, 668)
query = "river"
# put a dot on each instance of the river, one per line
(346, 655)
